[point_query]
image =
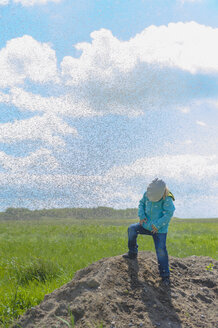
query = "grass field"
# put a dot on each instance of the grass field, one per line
(38, 256)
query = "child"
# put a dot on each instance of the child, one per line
(155, 210)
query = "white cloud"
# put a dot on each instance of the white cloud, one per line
(47, 128)
(201, 123)
(212, 102)
(177, 167)
(28, 3)
(192, 1)
(35, 2)
(67, 104)
(25, 58)
(188, 46)
(183, 169)
(188, 142)
(4, 98)
(154, 69)
(184, 109)
(41, 159)
(194, 178)
(4, 2)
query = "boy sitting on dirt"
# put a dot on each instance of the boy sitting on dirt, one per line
(155, 210)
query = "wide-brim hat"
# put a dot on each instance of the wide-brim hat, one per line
(155, 190)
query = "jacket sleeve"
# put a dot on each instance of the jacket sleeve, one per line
(141, 208)
(168, 210)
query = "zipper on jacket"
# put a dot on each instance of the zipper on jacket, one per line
(151, 210)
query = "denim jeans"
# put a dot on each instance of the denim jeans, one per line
(159, 242)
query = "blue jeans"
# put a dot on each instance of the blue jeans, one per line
(159, 242)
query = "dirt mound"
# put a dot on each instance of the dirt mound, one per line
(117, 292)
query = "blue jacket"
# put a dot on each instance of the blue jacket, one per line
(157, 213)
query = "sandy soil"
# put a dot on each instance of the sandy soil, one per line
(129, 293)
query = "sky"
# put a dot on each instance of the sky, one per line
(98, 98)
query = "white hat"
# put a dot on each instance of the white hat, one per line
(155, 190)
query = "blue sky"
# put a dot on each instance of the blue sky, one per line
(99, 97)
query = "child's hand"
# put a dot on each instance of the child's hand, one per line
(154, 229)
(141, 221)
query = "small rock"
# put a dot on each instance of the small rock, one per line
(202, 316)
(93, 283)
(141, 324)
(46, 297)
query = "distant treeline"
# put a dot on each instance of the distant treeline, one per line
(12, 213)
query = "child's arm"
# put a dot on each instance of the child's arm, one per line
(168, 210)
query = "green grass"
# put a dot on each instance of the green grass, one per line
(37, 257)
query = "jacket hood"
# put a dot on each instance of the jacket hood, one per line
(171, 195)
